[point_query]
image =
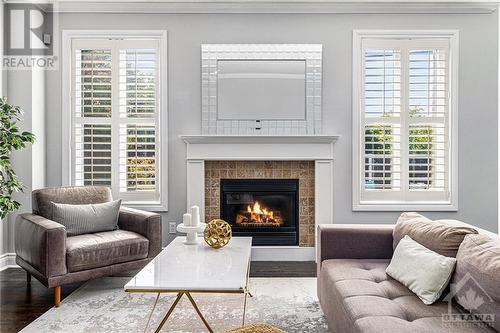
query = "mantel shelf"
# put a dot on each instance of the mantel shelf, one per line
(253, 139)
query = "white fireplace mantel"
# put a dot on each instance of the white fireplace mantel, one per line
(239, 147)
(232, 139)
(318, 148)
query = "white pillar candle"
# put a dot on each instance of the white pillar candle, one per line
(186, 219)
(195, 216)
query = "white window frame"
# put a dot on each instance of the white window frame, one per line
(451, 204)
(67, 126)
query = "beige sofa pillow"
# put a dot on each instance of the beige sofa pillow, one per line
(475, 284)
(421, 270)
(441, 236)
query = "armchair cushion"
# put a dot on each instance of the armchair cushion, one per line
(104, 249)
(74, 195)
(41, 243)
(144, 223)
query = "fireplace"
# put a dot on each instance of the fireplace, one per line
(265, 209)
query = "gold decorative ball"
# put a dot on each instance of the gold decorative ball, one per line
(217, 233)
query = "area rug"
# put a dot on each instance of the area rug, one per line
(102, 306)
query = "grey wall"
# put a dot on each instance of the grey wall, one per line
(477, 93)
(25, 88)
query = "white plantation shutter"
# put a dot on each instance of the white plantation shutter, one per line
(93, 83)
(92, 96)
(138, 88)
(404, 123)
(427, 120)
(93, 154)
(116, 130)
(138, 172)
(138, 114)
(381, 125)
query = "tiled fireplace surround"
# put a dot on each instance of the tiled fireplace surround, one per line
(308, 158)
(301, 170)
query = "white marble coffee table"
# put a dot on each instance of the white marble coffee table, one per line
(185, 269)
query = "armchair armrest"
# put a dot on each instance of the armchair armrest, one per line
(354, 241)
(144, 223)
(41, 243)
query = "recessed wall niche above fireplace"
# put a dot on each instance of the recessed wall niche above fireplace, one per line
(265, 209)
(261, 89)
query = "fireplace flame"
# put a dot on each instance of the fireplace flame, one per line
(259, 215)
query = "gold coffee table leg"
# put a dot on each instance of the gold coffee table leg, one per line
(245, 308)
(164, 320)
(199, 312)
(151, 314)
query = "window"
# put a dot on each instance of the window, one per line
(116, 127)
(404, 123)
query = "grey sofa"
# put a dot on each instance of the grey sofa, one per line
(357, 296)
(45, 252)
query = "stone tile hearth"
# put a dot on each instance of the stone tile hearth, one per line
(301, 170)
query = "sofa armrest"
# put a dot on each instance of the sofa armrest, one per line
(354, 241)
(144, 223)
(41, 243)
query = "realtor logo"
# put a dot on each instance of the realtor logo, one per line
(474, 299)
(28, 32)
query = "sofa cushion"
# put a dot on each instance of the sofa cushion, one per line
(103, 249)
(477, 276)
(441, 236)
(358, 296)
(74, 195)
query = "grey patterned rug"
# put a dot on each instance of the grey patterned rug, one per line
(102, 306)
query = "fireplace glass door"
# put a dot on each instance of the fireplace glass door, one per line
(265, 209)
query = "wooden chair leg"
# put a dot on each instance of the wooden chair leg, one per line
(57, 296)
(28, 277)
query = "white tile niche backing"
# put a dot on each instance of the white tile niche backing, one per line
(212, 53)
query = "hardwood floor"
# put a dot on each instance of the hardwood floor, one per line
(21, 303)
(283, 269)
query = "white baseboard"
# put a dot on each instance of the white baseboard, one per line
(283, 253)
(7, 260)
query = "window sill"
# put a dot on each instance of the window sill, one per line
(155, 207)
(403, 206)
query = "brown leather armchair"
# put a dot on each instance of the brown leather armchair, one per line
(45, 252)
